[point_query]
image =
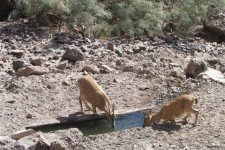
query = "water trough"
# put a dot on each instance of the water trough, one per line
(91, 124)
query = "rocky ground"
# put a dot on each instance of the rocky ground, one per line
(38, 82)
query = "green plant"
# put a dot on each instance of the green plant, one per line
(107, 18)
(90, 16)
(187, 14)
(41, 12)
(137, 17)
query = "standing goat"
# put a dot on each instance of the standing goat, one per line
(93, 94)
(179, 107)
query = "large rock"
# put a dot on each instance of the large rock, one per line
(195, 67)
(57, 140)
(64, 139)
(26, 143)
(32, 70)
(215, 24)
(213, 74)
(73, 54)
(6, 6)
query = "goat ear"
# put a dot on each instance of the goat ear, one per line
(148, 111)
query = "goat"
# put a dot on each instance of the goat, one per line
(93, 94)
(179, 107)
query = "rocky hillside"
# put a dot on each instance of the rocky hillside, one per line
(38, 82)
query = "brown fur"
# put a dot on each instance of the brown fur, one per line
(178, 107)
(93, 94)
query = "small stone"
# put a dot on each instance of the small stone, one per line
(4, 59)
(136, 49)
(143, 88)
(95, 46)
(19, 52)
(177, 72)
(32, 70)
(20, 134)
(29, 116)
(139, 70)
(84, 48)
(118, 51)
(57, 145)
(37, 62)
(119, 62)
(66, 83)
(42, 145)
(128, 68)
(18, 64)
(56, 57)
(13, 47)
(222, 69)
(11, 101)
(92, 69)
(110, 46)
(105, 69)
(62, 65)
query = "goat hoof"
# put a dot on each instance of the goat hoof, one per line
(184, 123)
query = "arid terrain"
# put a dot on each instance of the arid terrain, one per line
(135, 73)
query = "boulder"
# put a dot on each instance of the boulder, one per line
(215, 24)
(213, 74)
(57, 140)
(195, 67)
(73, 54)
